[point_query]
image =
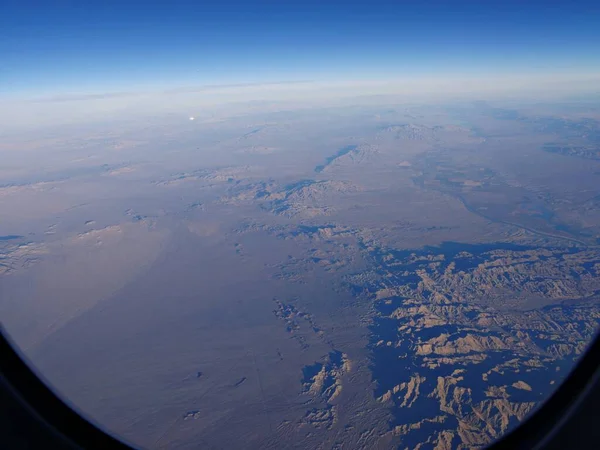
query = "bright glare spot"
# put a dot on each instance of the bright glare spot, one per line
(191, 118)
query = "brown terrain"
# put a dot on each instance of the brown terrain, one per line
(396, 276)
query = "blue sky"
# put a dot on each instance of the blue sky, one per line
(64, 46)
